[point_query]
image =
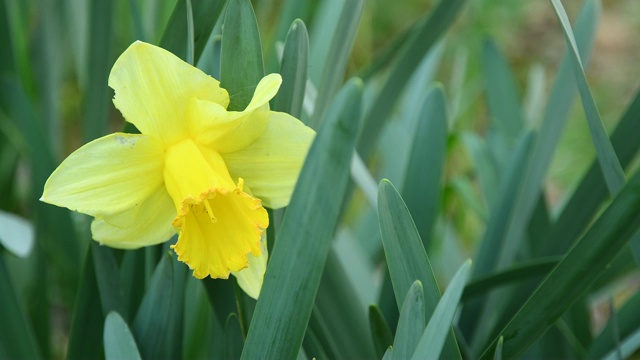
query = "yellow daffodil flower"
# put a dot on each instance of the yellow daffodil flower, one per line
(195, 169)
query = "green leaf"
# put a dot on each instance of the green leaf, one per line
(422, 187)
(382, 337)
(86, 333)
(205, 16)
(533, 268)
(233, 341)
(497, 355)
(433, 338)
(611, 168)
(405, 254)
(97, 97)
(628, 347)
(411, 324)
(151, 323)
(16, 234)
(293, 275)
(592, 191)
(241, 66)
(337, 57)
(118, 340)
(409, 57)
(107, 278)
(339, 316)
(16, 336)
(294, 71)
(580, 267)
(502, 93)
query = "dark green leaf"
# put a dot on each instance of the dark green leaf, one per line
(294, 71)
(382, 337)
(241, 66)
(576, 272)
(233, 341)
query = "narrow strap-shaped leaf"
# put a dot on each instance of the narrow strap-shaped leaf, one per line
(410, 55)
(339, 313)
(528, 269)
(411, 324)
(337, 57)
(405, 254)
(16, 336)
(107, 278)
(295, 57)
(422, 187)
(628, 347)
(433, 338)
(497, 355)
(502, 92)
(576, 272)
(241, 66)
(233, 340)
(382, 337)
(152, 320)
(611, 168)
(86, 325)
(293, 275)
(205, 16)
(119, 343)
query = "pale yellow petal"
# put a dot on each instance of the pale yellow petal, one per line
(153, 87)
(148, 223)
(250, 279)
(218, 232)
(270, 166)
(212, 126)
(108, 175)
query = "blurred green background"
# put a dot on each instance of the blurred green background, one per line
(55, 56)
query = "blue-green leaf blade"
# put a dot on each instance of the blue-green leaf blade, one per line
(119, 343)
(295, 57)
(405, 254)
(293, 275)
(433, 338)
(411, 324)
(580, 267)
(241, 66)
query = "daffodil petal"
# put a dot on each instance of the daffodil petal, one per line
(212, 126)
(271, 164)
(108, 175)
(218, 231)
(250, 279)
(149, 223)
(153, 87)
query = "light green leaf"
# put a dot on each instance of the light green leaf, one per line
(405, 254)
(502, 93)
(294, 270)
(613, 172)
(411, 324)
(433, 338)
(118, 340)
(422, 187)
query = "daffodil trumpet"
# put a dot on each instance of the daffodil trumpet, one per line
(195, 169)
